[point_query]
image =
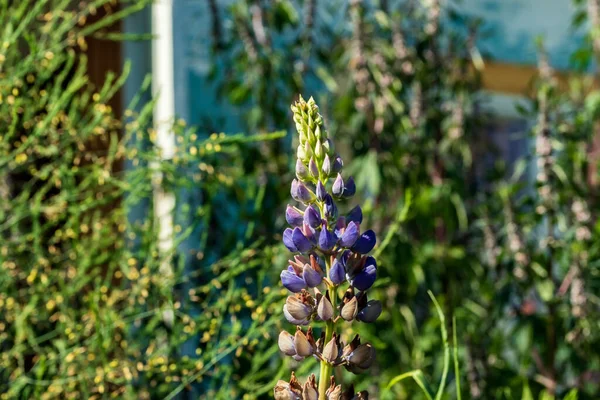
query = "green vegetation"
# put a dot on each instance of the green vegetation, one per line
(92, 305)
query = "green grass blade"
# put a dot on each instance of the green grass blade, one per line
(442, 385)
(418, 377)
(456, 366)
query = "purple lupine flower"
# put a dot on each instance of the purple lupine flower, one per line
(312, 277)
(307, 270)
(312, 216)
(298, 309)
(323, 242)
(330, 207)
(287, 240)
(321, 191)
(337, 273)
(337, 165)
(340, 225)
(355, 215)
(312, 167)
(293, 216)
(364, 279)
(370, 312)
(326, 167)
(349, 188)
(344, 258)
(300, 241)
(301, 170)
(300, 192)
(338, 186)
(291, 281)
(349, 235)
(327, 239)
(286, 343)
(365, 242)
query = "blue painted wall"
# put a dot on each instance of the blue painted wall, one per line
(513, 26)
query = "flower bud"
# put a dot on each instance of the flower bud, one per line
(301, 133)
(288, 391)
(326, 167)
(330, 207)
(349, 236)
(370, 312)
(312, 140)
(319, 153)
(337, 165)
(337, 273)
(338, 186)
(299, 308)
(312, 166)
(321, 191)
(318, 133)
(340, 226)
(291, 281)
(293, 216)
(350, 395)
(302, 243)
(286, 343)
(301, 170)
(311, 276)
(331, 350)
(361, 358)
(303, 347)
(300, 192)
(324, 307)
(334, 392)
(301, 153)
(312, 217)
(365, 242)
(307, 151)
(355, 215)
(326, 239)
(310, 390)
(349, 309)
(328, 146)
(287, 240)
(364, 279)
(349, 188)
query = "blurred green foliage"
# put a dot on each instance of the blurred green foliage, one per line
(510, 255)
(92, 307)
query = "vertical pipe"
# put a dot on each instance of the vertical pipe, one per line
(164, 112)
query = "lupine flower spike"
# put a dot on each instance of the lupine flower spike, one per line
(330, 251)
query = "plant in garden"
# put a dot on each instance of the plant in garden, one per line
(330, 251)
(86, 310)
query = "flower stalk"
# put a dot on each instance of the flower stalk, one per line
(329, 251)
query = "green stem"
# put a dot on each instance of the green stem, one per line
(326, 368)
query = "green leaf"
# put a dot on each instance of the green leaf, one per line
(546, 289)
(327, 79)
(461, 212)
(526, 392)
(545, 395)
(366, 173)
(442, 385)
(418, 377)
(456, 366)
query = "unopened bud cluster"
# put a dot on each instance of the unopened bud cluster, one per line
(330, 250)
(295, 390)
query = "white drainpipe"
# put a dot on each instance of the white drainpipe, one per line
(164, 113)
